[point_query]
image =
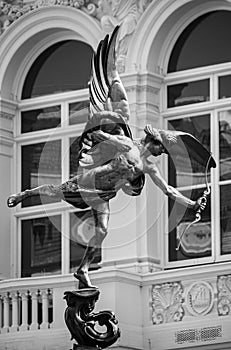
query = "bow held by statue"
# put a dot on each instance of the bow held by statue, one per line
(201, 201)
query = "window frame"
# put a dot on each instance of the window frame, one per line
(63, 133)
(212, 107)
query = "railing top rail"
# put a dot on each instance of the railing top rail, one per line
(40, 282)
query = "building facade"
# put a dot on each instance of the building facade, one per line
(174, 59)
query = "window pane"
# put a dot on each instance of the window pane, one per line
(81, 231)
(202, 42)
(225, 213)
(225, 144)
(78, 112)
(196, 242)
(41, 164)
(185, 171)
(188, 93)
(41, 246)
(224, 86)
(74, 149)
(64, 66)
(40, 119)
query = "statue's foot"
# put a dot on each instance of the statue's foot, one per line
(84, 280)
(13, 200)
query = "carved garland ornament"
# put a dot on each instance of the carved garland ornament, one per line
(108, 13)
(11, 11)
(224, 295)
(167, 302)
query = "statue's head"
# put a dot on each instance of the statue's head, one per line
(153, 146)
(158, 141)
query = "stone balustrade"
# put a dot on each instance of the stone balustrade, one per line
(192, 305)
(26, 309)
(28, 304)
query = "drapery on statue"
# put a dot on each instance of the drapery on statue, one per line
(109, 158)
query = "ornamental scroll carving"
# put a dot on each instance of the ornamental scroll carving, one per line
(10, 11)
(108, 12)
(167, 299)
(224, 295)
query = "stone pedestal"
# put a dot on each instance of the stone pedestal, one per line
(81, 321)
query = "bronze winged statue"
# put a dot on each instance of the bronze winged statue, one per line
(109, 159)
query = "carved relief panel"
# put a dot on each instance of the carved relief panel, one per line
(199, 298)
(167, 299)
(170, 302)
(224, 295)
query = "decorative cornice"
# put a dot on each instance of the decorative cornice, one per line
(6, 115)
(140, 89)
(10, 11)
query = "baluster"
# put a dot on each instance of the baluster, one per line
(24, 326)
(6, 313)
(50, 308)
(15, 318)
(45, 304)
(34, 297)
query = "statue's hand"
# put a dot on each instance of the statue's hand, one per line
(99, 136)
(122, 143)
(200, 204)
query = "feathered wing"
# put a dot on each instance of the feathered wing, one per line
(182, 144)
(106, 90)
(108, 100)
(98, 85)
(196, 150)
(179, 143)
(108, 106)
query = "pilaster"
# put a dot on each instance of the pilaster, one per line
(7, 112)
(134, 242)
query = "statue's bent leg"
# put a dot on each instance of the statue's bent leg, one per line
(43, 190)
(101, 216)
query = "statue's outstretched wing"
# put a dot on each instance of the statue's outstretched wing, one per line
(182, 144)
(106, 91)
(187, 145)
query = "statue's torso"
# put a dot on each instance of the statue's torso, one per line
(114, 173)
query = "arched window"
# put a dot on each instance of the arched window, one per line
(53, 111)
(64, 66)
(204, 42)
(198, 97)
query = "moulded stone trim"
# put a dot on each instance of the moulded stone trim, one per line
(149, 89)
